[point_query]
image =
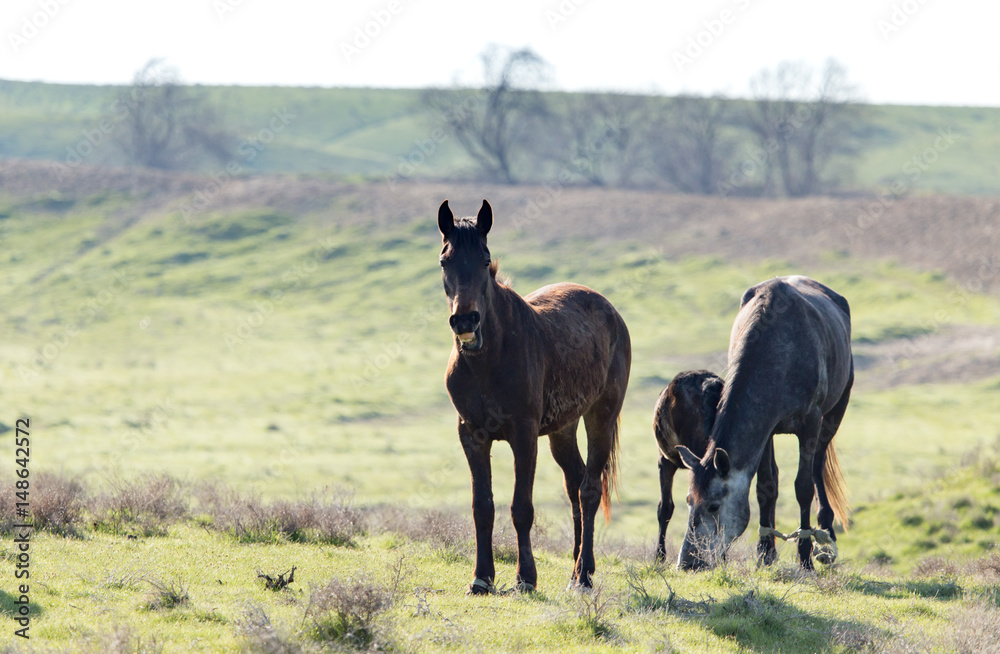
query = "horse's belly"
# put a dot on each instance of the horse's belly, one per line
(561, 407)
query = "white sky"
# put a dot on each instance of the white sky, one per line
(941, 53)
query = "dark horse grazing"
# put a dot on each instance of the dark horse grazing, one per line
(790, 371)
(524, 367)
(685, 413)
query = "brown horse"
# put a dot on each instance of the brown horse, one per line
(790, 372)
(522, 368)
(685, 414)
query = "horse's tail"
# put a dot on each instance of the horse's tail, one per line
(836, 487)
(609, 477)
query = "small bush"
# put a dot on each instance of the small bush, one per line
(259, 636)
(593, 611)
(988, 567)
(331, 519)
(57, 503)
(351, 612)
(165, 595)
(147, 504)
(121, 640)
(935, 566)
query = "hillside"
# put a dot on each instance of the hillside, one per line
(372, 132)
(275, 345)
(304, 314)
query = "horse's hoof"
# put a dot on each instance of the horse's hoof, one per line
(525, 587)
(481, 587)
(826, 558)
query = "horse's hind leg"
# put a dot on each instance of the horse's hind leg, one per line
(831, 423)
(567, 455)
(601, 421)
(767, 498)
(665, 510)
(804, 481)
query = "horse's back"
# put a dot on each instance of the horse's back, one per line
(587, 349)
(807, 322)
(830, 307)
(577, 313)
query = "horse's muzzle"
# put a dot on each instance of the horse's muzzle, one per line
(464, 323)
(467, 327)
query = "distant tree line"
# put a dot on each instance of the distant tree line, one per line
(793, 137)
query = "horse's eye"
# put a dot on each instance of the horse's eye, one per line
(487, 264)
(713, 508)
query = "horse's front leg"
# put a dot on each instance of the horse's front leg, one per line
(804, 482)
(767, 498)
(665, 510)
(524, 443)
(477, 444)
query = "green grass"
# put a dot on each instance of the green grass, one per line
(358, 131)
(84, 590)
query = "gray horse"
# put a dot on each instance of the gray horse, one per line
(790, 372)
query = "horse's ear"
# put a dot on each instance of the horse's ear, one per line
(485, 219)
(721, 462)
(446, 219)
(688, 458)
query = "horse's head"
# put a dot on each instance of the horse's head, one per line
(465, 268)
(718, 508)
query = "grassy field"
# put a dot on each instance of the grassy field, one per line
(370, 132)
(286, 352)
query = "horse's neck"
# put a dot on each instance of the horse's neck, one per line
(744, 422)
(506, 310)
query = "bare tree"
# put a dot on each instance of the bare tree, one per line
(162, 124)
(691, 145)
(801, 123)
(493, 123)
(604, 137)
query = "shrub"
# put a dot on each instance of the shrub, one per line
(351, 612)
(147, 504)
(166, 595)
